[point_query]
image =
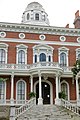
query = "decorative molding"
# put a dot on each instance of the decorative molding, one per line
(2, 34)
(21, 35)
(62, 38)
(40, 42)
(78, 39)
(15, 27)
(42, 37)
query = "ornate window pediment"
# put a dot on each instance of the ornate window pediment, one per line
(21, 54)
(42, 53)
(63, 56)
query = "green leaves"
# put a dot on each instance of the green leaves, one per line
(3, 79)
(76, 68)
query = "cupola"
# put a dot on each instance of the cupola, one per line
(35, 14)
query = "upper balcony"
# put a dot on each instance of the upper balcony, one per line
(44, 67)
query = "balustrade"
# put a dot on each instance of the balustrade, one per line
(34, 66)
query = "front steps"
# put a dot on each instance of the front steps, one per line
(48, 112)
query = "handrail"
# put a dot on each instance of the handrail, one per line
(28, 67)
(68, 105)
(25, 107)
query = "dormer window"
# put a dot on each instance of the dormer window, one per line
(28, 16)
(36, 16)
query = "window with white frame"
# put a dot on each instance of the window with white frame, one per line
(21, 88)
(28, 16)
(2, 90)
(42, 57)
(63, 59)
(78, 54)
(36, 16)
(21, 56)
(3, 53)
(63, 56)
(42, 53)
(2, 56)
(64, 88)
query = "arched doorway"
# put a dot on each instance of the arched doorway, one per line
(45, 92)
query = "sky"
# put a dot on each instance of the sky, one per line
(60, 12)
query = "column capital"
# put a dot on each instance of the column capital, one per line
(12, 75)
(39, 73)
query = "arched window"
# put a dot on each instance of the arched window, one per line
(2, 90)
(49, 58)
(64, 88)
(63, 61)
(28, 16)
(2, 56)
(78, 56)
(35, 58)
(21, 57)
(42, 57)
(21, 91)
(44, 18)
(36, 16)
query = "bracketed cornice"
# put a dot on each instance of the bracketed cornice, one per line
(16, 27)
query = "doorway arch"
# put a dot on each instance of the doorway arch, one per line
(47, 85)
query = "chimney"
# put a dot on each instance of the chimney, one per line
(67, 26)
(77, 14)
(77, 20)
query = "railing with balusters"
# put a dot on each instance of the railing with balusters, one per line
(25, 107)
(34, 65)
(70, 106)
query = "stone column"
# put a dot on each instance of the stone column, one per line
(57, 100)
(40, 100)
(57, 85)
(77, 90)
(31, 80)
(12, 88)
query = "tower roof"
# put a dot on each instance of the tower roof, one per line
(34, 5)
(35, 14)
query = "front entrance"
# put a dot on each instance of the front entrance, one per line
(45, 92)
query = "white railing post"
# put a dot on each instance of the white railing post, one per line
(40, 100)
(12, 113)
(12, 88)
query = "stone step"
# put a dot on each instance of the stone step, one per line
(48, 112)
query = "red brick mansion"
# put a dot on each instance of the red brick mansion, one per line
(37, 57)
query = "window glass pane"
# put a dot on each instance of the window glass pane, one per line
(63, 61)
(78, 56)
(49, 59)
(64, 89)
(35, 58)
(28, 16)
(2, 56)
(2, 90)
(21, 90)
(21, 57)
(36, 16)
(42, 57)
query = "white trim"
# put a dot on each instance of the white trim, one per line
(21, 47)
(67, 87)
(42, 48)
(4, 46)
(77, 52)
(40, 42)
(63, 50)
(51, 89)
(45, 29)
(25, 88)
(5, 90)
